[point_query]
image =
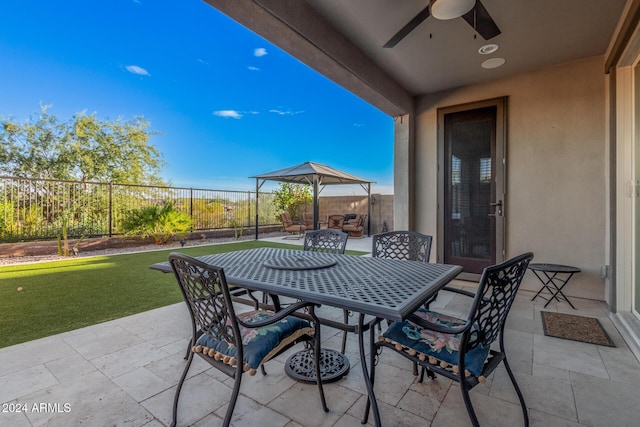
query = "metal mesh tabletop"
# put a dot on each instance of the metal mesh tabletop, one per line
(385, 288)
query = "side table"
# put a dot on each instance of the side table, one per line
(554, 277)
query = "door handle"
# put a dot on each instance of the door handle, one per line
(498, 206)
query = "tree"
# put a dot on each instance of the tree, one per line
(291, 197)
(84, 148)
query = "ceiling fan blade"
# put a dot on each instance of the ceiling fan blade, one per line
(411, 25)
(481, 21)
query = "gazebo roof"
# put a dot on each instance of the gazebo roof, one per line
(304, 172)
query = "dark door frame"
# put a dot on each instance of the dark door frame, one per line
(500, 175)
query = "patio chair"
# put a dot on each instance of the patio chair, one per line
(459, 349)
(307, 218)
(335, 222)
(406, 245)
(331, 241)
(327, 240)
(236, 343)
(289, 226)
(355, 227)
(409, 245)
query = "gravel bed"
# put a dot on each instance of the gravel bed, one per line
(132, 249)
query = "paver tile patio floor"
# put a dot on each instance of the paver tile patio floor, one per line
(124, 372)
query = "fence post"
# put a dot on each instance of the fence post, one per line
(110, 209)
(191, 207)
(249, 209)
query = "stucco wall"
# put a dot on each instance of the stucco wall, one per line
(556, 140)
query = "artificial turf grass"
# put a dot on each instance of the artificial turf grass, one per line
(59, 296)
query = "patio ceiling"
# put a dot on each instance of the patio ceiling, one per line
(344, 41)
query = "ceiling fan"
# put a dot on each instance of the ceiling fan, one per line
(472, 11)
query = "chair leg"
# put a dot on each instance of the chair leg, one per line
(179, 388)
(188, 352)
(525, 413)
(429, 373)
(316, 356)
(344, 333)
(467, 402)
(512, 377)
(234, 398)
(373, 350)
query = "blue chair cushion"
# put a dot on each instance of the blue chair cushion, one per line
(438, 345)
(260, 342)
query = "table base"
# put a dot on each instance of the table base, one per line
(333, 366)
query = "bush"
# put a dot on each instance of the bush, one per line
(160, 223)
(291, 198)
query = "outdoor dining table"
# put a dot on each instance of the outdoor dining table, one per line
(377, 287)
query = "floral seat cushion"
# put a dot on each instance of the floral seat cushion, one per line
(260, 344)
(436, 345)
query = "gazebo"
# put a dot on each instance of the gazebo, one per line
(318, 176)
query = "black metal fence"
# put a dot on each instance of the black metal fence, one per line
(38, 209)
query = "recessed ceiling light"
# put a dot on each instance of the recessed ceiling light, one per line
(493, 63)
(487, 49)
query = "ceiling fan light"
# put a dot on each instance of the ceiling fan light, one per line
(450, 9)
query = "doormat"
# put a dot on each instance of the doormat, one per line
(576, 328)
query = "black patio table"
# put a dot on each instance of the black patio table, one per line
(382, 288)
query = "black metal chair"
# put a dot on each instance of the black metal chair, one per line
(328, 240)
(406, 245)
(459, 349)
(409, 245)
(227, 340)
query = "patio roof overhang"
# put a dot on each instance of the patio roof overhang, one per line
(316, 175)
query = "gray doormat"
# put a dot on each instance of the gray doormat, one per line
(576, 328)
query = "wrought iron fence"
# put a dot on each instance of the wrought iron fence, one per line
(38, 209)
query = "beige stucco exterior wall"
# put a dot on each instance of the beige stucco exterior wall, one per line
(556, 158)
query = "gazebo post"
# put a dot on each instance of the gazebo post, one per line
(369, 210)
(257, 197)
(316, 209)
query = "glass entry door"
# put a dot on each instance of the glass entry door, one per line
(472, 181)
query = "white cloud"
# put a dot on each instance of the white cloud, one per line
(284, 112)
(260, 51)
(252, 68)
(228, 114)
(202, 61)
(134, 69)
(358, 125)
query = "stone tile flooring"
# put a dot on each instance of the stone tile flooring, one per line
(124, 372)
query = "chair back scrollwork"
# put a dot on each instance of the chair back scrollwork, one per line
(326, 240)
(407, 245)
(494, 298)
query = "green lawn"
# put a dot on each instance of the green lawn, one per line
(60, 296)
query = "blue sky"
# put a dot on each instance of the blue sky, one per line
(229, 104)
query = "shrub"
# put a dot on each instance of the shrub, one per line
(291, 198)
(161, 223)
